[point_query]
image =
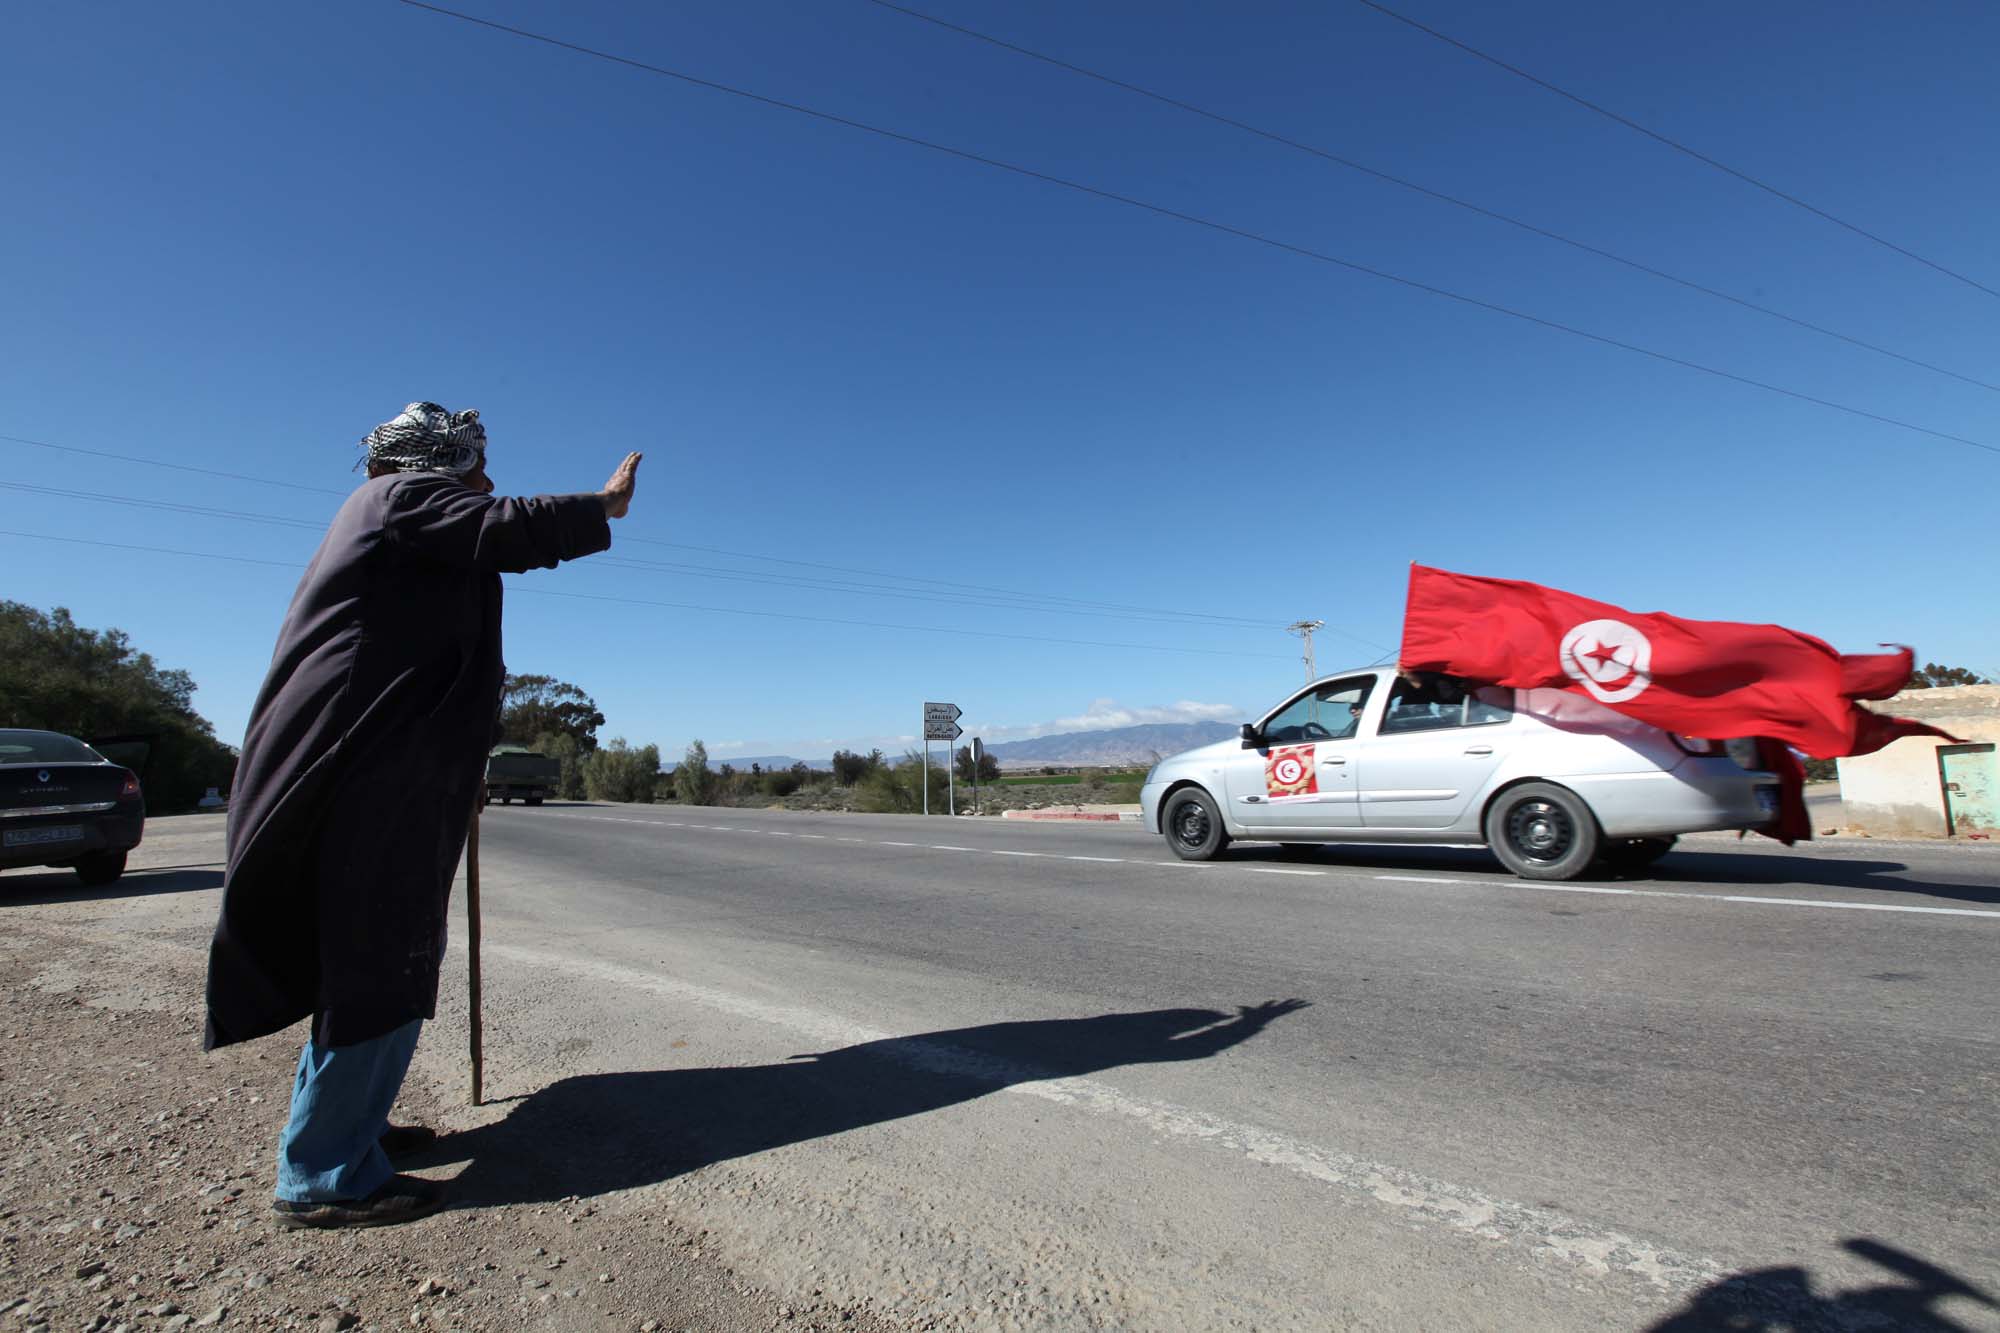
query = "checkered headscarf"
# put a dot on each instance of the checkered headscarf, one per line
(426, 438)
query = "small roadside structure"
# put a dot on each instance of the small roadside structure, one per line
(1925, 787)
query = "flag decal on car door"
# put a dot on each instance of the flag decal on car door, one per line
(1290, 772)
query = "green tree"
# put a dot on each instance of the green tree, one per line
(1932, 676)
(989, 767)
(569, 752)
(849, 767)
(617, 772)
(533, 706)
(694, 783)
(55, 675)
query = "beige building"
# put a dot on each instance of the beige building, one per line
(1926, 787)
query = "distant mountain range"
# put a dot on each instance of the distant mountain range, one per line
(767, 762)
(1120, 745)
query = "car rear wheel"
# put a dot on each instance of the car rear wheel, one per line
(1631, 854)
(1193, 825)
(1542, 831)
(100, 868)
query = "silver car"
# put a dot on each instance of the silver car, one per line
(1553, 782)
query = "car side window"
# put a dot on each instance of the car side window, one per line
(1489, 704)
(1329, 712)
(1435, 703)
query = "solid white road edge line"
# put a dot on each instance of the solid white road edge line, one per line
(1548, 1234)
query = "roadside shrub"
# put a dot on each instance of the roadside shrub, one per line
(620, 773)
(694, 784)
(898, 789)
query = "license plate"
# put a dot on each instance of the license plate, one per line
(1767, 800)
(28, 837)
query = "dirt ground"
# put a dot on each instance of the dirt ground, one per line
(135, 1172)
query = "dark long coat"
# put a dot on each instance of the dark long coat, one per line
(364, 754)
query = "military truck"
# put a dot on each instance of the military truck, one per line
(515, 770)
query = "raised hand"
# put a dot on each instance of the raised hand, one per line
(617, 493)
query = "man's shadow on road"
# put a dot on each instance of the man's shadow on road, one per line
(597, 1133)
(1783, 1300)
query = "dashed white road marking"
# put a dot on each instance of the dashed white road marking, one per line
(1535, 886)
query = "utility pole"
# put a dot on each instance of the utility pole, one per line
(1304, 629)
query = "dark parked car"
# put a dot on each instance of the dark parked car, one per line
(64, 804)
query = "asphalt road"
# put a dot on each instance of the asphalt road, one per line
(1006, 1074)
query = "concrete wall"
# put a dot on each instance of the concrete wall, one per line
(1897, 790)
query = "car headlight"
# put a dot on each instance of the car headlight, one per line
(1744, 752)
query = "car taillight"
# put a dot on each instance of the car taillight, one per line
(1697, 745)
(129, 788)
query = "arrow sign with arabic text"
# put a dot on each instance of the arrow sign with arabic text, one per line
(941, 722)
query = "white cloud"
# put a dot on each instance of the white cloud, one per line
(1108, 715)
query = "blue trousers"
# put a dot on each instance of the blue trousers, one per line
(340, 1105)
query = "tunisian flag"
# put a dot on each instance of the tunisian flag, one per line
(1708, 678)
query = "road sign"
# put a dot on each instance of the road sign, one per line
(941, 722)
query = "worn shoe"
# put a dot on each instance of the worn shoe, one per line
(401, 1199)
(405, 1140)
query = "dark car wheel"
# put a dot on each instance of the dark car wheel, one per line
(100, 868)
(1542, 831)
(1633, 854)
(1193, 825)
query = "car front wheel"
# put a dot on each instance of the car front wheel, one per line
(1193, 825)
(1542, 831)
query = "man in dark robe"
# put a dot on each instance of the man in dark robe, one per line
(363, 761)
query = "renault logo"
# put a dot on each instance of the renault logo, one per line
(42, 776)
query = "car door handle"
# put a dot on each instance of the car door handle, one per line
(1479, 749)
(1334, 759)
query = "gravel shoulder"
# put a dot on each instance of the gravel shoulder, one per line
(135, 1172)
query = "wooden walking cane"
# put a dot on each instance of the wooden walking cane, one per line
(472, 943)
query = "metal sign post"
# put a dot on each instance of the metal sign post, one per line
(940, 724)
(978, 753)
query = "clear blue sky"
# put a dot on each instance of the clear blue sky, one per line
(237, 236)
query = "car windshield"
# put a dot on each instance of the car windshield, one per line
(44, 747)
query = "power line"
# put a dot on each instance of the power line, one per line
(197, 511)
(905, 594)
(1022, 601)
(177, 467)
(1161, 210)
(678, 570)
(1677, 146)
(1429, 193)
(1251, 621)
(680, 606)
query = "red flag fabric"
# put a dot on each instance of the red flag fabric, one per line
(1709, 678)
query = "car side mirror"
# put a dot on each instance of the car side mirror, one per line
(1249, 735)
